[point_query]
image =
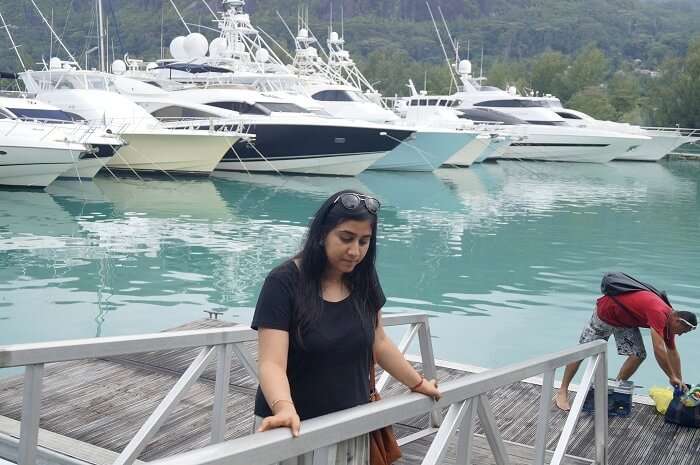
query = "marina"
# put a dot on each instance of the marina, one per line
(138, 194)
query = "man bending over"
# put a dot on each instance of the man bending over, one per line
(622, 316)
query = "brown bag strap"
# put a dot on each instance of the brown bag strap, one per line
(372, 375)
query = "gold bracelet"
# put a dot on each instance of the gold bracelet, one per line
(272, 405)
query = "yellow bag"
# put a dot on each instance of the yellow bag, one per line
(662, 396)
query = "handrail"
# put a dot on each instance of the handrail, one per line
(220, 344)
(316, 433)
(77, 349)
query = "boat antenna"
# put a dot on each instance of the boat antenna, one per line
(210, 10)
(447, 29)
(54, 33)
(342, 22)
(287, 26)
(276, 43)
(181, 18)
(481, 64)
(12, 41)
(162, 20)
(442, 45)
(468, 48)
(101, 34)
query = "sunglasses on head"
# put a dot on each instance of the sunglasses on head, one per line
(352, 201)
(688, 323)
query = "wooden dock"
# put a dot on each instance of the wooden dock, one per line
(92, 408)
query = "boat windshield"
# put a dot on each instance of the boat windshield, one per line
(283, 107)
(39, 114)
(434, 102)
(514, 103)
(339, 95)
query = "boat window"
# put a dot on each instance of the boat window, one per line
(414, 103)
(283, 107)
(175, 112)
(566, 115)
(96, 83)
(337, 96)
(484, 114)
(432, 102)
(547, 123)
(241, 107)
(40, 114)
(514, 103)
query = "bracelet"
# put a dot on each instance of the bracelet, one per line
(272, 405)
(418, 385)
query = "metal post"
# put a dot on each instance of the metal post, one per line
(543, 417)
(428, 361)
(465, 436)
(601, 410)
(223, 375)
(31, 407)
(493, 435)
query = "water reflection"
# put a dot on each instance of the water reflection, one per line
(507, 256)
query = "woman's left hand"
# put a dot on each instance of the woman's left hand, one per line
(429, 388)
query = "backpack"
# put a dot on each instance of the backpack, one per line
(616, 283)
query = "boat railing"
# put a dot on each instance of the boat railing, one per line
(686, 132)
(465, 399)
(218, 344)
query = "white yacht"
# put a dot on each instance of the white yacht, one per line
(662, 141)
(546, 135)
(288, 138)
(101, 144)
(335, 85)
(102, 98)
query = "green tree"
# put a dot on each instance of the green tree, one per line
(594, 101)
(589, 68)
(548, 75)
(624, 92)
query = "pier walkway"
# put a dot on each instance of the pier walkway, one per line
(91, 409)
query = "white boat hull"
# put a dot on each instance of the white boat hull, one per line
(655, 149)
(583, 146)
(468, 154)
(496, 148)
(35, 166)
(326, 165)
(175, 152)
(85, 169)
(426, 151)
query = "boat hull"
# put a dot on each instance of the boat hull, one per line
(468, 154)
(35, 166)
(311, 149)
(173, 152)
(572, 147)
(655, 149)
(426, 151)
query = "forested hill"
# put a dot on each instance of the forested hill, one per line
(564, 47)
(506, 29)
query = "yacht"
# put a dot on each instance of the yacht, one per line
(288, 138)
(335, 85)
(102, 98)
(547, 135)
(101, 145)
(662, 141)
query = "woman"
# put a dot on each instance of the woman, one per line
(319, 324)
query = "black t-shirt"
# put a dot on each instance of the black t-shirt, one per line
(330, 371)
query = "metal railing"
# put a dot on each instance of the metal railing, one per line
(465, 399)
(220, 344)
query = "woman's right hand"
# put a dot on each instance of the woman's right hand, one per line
(286, 416)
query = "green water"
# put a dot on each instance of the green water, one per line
(506, 257)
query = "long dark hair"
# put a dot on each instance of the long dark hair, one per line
(362, 281)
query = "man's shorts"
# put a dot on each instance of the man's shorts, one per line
(628, 340)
